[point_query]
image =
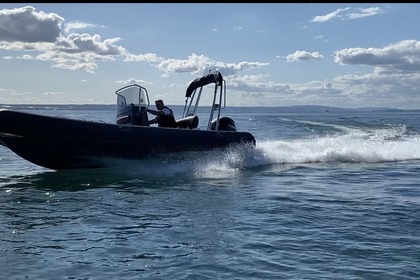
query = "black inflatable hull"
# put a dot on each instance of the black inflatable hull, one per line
(61, 143)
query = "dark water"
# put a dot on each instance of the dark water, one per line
(323, 196)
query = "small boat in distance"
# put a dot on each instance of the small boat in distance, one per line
(62, 143)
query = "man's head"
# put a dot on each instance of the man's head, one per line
(159, 104)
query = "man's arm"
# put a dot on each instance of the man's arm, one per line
(155, 112)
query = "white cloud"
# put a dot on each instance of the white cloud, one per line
(349, 14)
(403, 56)
(71, 26)
(25, 29)
(304, 55)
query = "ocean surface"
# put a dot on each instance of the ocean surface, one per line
(324, 195)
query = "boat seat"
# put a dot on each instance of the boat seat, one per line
(188, 122)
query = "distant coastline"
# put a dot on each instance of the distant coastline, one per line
(255, 109)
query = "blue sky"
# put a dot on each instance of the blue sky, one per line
(347, 55)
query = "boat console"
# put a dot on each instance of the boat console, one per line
(132, 103)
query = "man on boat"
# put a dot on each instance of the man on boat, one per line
(164, 115)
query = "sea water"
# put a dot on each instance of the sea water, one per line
(324, 195)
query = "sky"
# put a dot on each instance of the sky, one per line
(348, 55)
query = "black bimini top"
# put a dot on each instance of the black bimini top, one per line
(215, 77)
